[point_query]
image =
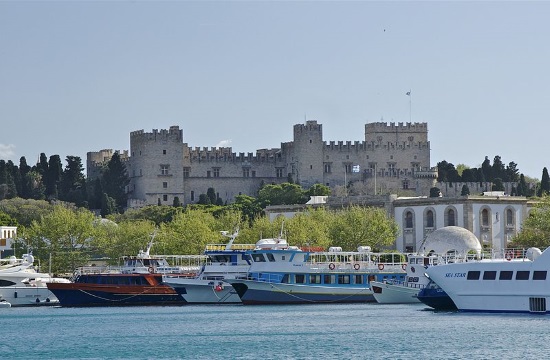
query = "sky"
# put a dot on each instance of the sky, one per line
(79, 76)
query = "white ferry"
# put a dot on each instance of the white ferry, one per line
(282, 274)
(516, 281)
(209, 286)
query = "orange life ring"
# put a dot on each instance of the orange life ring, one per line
(356, 266)
(404, 267)
(331, 266)
(380, 266)
(151, 269)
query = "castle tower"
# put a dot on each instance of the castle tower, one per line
(156, 166)
(306, 162)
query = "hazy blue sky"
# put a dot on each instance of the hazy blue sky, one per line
(80, 76)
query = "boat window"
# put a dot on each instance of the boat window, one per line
(270, 257)
(358, 279)
(300, 279)
(258, 257)
(328, 279)
(473, 275)
(284, 280)
(314, 279)
(505, 275)
(6, 283)
(343, 279)
(539, 275)
(489, 275)
(522, 275)
(372, 278)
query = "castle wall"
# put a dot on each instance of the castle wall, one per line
(391, 158)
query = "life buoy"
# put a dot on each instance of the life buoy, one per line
(404, 267)
(151, 270)
(356, 266)
(380, 266)
(509, 255)
(218, 288)
(331, 266)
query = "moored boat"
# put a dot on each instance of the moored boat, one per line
(223, 261)
(282, 274)
(448, 244)
(514, 281)
(137, 282)
(22, 285)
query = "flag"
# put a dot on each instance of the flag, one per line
(355, 168)
(408, 93)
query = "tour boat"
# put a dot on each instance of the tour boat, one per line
(282, 274)
(515, 281)
(434, 296)
(22, 285)
(209, 286)
(137, 282)
(444, 245)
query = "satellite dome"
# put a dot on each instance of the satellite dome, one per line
(451, 238)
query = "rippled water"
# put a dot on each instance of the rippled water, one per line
(356, 331)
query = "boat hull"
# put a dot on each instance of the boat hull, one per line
(205, 292)
(436, 299)
(85, 295)
(28, 296)
(258, 292)
(385, 293)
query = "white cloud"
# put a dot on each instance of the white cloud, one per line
(7, 151)
(224, 143)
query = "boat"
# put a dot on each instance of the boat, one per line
(4, 303)
(137, 282)
(283, 274)
(434, 296)
(510, 281)
(22, 285)
(209, 286)
(444, 245)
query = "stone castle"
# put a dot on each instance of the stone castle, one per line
(392, 158)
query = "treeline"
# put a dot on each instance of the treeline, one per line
(49, 180)
(71, 236)
(496, 173)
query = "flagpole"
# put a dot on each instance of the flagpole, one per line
(410, 105)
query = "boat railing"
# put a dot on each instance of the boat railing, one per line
(409, 284)
(234, 247)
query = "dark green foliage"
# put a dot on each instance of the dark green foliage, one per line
(487, 169)
(73, 184)
(211, 193)
(498, 185)
(318, 190)
(522, 189)
(26, 185)
(281, 194)
(177, 202)
(7, 220)
(114, 181)
(435, 192)
(53, 177)
(544, 183)
(204, 200)
(157, 214)
(108, 205)
(465, 190)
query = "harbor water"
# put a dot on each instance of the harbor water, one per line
(335, 331)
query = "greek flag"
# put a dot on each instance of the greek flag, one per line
(355, 168)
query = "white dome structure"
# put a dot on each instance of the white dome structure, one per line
(451, 239)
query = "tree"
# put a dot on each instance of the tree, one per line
(177, 202)
(73, 183)
(522, 189)
(211, 193)
(487, 169)
(498, 185)
(435, 192)
(535, 231)
(248, 207)
(26, 185)
(7, 220)
(114, 181)
(359, 226)
(108, 205)
(25, 211)
(53, 177)
(498, 170)
(465, 190)
(65, 234)
(512, 172)
(281, 194)
(318, 190)
(8, 189)
(544, 183)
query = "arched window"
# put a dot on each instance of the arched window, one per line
(430, 219)
(451, 218)
(485, 217)
(509, 217)
(408, 220)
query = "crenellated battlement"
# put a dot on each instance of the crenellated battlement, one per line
(309, 127)
(392, 127)
(173, 134)
(225, 154)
